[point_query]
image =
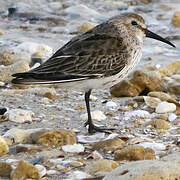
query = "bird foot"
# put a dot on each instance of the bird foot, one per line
(93, 129)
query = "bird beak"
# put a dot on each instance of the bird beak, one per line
(152, 35)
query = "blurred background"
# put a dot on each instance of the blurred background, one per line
(53, 23)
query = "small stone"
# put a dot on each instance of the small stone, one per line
(91, 138)
(1, 32)
(145, 1)
(174, 88)
(161, 95)
(95, 155)
(25, 170)
(79, 175)
(134, 153)
(4, 149)
(41, 169)
(5, 169)
(172, 117)
(76, 148)
(7, 71)
(146, 170)
(102, 166)
(124, 88)
(19, 115)
(24, 148)
(86, 27)
(109, 145)
(111, 105)
(159, 124)
(140, 82)
(154, 146)
(176, 19)
(151, 101)
(35, 49)
(165, 107)
(9, 56)
(16, 135)
(76, 163)
(171, 69)
(56, 138)
(96, 115)
(51, 172)
(45, 101)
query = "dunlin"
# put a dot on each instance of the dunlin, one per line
(96, 59)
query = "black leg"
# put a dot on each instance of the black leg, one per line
(89, 121)
(92, 128)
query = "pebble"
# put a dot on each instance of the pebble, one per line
(95, 155)
(151, 101)
(19, 115)
(52, 172)
(5, 169)
(79, 175)
(109, 145)
(170, 69)
(91, 139)
(103, 165)
(111, 105)
(86, 27)
(16, 135)
(76, 163)
(9, 56)
(161, 95)
(172, 117)
(137, 84)
(159, 124)
(35, 49)
(96, 115)
(4, 149)
(176, 19)
(165, 107)
(136, 113)
(55, 138)
(134, 153)
(146, 170)
(29, 171)
(7, 71)
(76, 148)
(154, 146)
(41, 169)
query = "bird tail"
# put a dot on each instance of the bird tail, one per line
(30, 78)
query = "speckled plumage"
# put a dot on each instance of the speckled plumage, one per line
(98, 58)
(102, 52)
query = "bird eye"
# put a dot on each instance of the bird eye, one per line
(134, 23)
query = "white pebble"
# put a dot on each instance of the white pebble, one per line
(76, 175)
(41, 169)
(172, 117)
(76, 148)
(91, 139)
(96, 115)
(165, 107)
(137, 113)
(154, 146)
(19, 115)
(51, 172)
(111, 105)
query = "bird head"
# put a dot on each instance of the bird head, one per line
(136, 26)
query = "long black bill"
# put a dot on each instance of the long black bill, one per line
(157, 37)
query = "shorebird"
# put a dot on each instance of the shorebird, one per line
(98, 58)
